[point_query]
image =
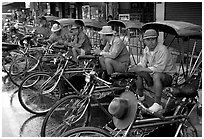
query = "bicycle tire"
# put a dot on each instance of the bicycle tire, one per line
(61, 110)
(20, 68)
(187, 130)
(8, 59)
(86, 130)
(27, 94)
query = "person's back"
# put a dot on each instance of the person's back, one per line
(124, 55)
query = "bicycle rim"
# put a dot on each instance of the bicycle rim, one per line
(86, 132)
(9, 58)
(68, 113)
(18, 69)
(32, 98)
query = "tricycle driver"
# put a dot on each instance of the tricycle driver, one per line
(156, 67)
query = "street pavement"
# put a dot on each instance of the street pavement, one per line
(17, 122)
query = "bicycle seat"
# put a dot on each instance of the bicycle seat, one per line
(126, 75)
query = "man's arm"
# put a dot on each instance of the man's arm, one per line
(116, 50)
(161, 61)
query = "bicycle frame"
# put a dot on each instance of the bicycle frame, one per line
(138, 125)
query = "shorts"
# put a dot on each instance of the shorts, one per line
(167, 81)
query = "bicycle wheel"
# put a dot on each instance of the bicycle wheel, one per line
(71, 111)
(86, 132)
(21, 67)
(9, 58)
(187, 129)
(38, 93)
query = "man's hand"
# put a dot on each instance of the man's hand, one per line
(135, 68)
(96, 51)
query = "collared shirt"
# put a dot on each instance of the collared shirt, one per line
(159, 60)
(82, 41)
(116, 50)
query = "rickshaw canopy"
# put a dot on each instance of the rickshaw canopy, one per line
(70, 21)
(178, 28)
(128, 24)
(92, 23)
(51, 18)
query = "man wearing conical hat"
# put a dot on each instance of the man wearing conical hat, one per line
(114, 56)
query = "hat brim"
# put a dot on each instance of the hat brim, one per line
(105, 33)
(56, 30)
(149, 37)
(74, 28)
(130, 116)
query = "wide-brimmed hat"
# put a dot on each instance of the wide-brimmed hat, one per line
(107, 30)
(56, 27)
(123, 109)
(150, 33)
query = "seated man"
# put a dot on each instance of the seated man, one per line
(58, 36)
(114, 56)
(81, 44)
(156, 66)
(43, 28)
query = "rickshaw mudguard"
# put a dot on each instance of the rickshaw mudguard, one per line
(51, 18)
(178, 28)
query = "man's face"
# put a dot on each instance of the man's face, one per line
(151, 43)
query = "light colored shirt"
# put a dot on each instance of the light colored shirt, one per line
(159, 60)
(116, 50)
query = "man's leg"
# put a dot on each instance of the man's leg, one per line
(139, 82)
(109, 65)
(115, 66)
(102, 62)
(75, 54)
(140, 87)
(159, 79)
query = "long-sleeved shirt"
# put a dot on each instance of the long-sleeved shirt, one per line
(63, 37)
(159, 60)
(82, 41)
(116, 50)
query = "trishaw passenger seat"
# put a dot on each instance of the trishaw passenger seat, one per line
(117, 75)
(188, 91)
